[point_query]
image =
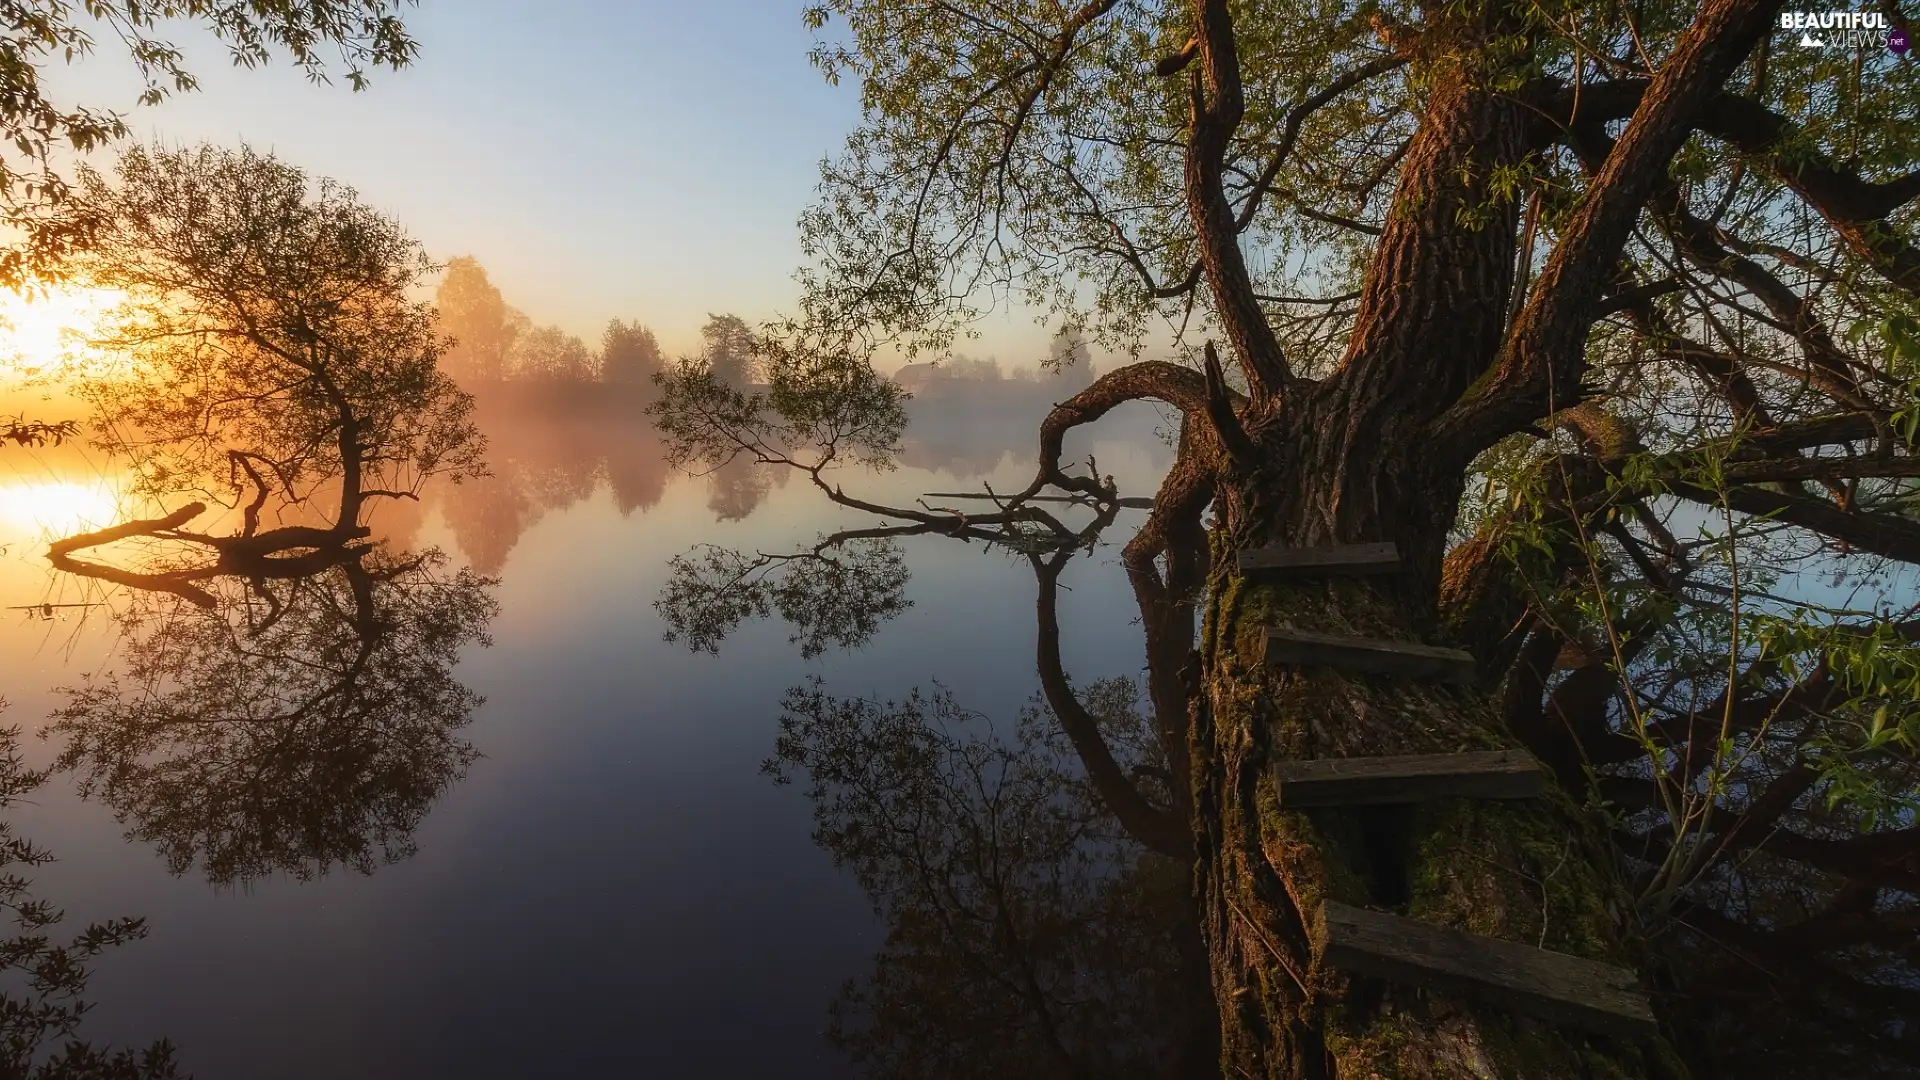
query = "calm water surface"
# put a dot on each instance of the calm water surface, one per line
(614, 888)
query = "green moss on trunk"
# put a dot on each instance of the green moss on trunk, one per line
(1531, 871)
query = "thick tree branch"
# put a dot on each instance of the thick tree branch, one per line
(1541, 367)
(1217, 107)
(1151, 380)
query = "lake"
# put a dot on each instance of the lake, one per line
(614, 887)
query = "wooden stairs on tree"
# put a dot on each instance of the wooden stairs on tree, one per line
(1367, 656)
(1552, 986)
(1369, 781)
(1342, 559)
(1364, 656)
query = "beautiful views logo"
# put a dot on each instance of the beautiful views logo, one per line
(1844, 30)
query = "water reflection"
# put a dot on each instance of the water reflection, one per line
(549, 447)
(1027, 933)
(295, 724)
(738, 487)
(281, 697)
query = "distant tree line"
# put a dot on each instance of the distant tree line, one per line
(492, 341)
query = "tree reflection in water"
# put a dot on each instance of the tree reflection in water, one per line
(548, 448)
(289, 725)
(1027, 934)
(283, 697)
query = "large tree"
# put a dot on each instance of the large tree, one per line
(1602, 315)
(269, 348)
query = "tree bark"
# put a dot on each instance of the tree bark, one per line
(1537, 871)
(1352, 459)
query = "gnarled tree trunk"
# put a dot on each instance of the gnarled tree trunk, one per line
(1441, 365)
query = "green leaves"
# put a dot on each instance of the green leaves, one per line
(313, 34)
(824, 406)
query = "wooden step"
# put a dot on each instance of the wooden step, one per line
(1551, 986)
(1365, 781)
(1305, 648)
(1336, 559)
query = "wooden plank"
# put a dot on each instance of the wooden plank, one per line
(1305, 648)
(1366, 781)
(1552, 986)
(1337, 559)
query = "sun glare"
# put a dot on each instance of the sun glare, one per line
(44, 333)
(56, 507)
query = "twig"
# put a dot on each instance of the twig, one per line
(1271, 947)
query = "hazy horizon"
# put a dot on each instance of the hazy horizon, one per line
(662, 183)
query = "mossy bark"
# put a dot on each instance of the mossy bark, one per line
(1533, 871)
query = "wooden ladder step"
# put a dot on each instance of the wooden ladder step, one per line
(1336, 559)
(1304, 648)
(1365, 781)
(1551, 986)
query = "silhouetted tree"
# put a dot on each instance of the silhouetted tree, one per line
(629, 353)
(482, 326)
(273, 345)
(285, 701)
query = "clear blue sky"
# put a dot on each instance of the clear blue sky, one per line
(635, 159)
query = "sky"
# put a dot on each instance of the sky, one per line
(638, 159)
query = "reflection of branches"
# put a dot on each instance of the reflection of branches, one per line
(836, 594)
(839, 590)
(285, 699)
(292, 725)
(1025, 935)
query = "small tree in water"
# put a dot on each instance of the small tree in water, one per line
(269, 345)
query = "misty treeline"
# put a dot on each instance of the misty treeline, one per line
(492, 341)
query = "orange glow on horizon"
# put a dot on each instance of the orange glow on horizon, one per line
(43, 334)
(57, 507)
